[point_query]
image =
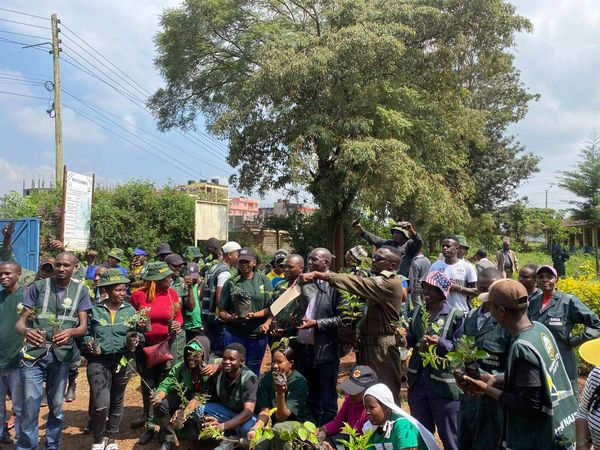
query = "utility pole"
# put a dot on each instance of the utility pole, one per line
(58, 173)
(549, 187)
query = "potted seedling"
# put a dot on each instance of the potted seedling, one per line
(172, 319)
(352, 309)
(140, 320)
(242, 303)
(463, 360)
(429, 355)
(356, 440)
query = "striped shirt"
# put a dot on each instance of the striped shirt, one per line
(592, 417)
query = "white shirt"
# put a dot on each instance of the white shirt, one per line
(462, 273)
(592, 417)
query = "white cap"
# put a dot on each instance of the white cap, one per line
(231, 246)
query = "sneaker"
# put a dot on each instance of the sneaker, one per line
(112, 445)
(71, 395)
(99, 446)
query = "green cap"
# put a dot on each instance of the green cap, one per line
(112, 276)
(155, 271)
(192, 252)
(462, 241)
(399, 229)
(117, 253)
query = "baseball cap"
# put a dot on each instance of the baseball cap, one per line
(139, 251)
(231, 246)
(246, 254)
(193, 270)
(174, 259)
(359, 380)
(47, 260)
(508, 293)
(279, 256)
(440, 281)
(547, 268)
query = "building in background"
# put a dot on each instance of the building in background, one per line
(243, 212)
(207, 191)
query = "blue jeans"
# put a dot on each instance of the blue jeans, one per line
(10, 379)
(32, 377)
(255, 350)
(223, 414)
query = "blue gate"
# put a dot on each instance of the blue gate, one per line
(25, 241)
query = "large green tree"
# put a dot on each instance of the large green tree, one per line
(584, 181)
(382, 104)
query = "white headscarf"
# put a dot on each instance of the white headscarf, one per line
(383, 394)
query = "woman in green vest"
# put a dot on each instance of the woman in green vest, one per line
(535, 390)
(560, 313)
(433, 395)
(110, 336)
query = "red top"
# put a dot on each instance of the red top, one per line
(161, 311)
(353, 413)
(546, 300)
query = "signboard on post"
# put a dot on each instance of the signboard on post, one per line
(211, 220)
(78, 195)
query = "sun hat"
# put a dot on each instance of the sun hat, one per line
(440, 281)
(508, 293)
(113, 276)
(231, 246)
(359, 379)
(398, 229)
(117, 253)
(163, 249)
(192, 252)
(155, 271)
(462, 241)
(590, 352)
(174, 259)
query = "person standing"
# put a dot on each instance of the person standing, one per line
(480, 417)
(461, 274)
(560, 313)
(162, 251)
(383, 293)
(246, 329)
(11, 299)
(535, 391)
(115, 256)
(506, 259)
(559, 258)
(63, 306)
(482, 261)
(419, 268)
(433, 395)
(109, 337)
(164, 313)
(175, 263)
(317, 357)
(138, 261)
(527, 279)
(192, 320)
(277, 273)
(404, 237)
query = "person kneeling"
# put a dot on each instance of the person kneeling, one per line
(186, 379)
(233, 394)
(285, 389)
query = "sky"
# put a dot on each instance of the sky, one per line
(107, 71)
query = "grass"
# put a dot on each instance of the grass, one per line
(574, 265)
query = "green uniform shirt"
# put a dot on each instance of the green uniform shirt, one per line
(12, 342)
(259, 288)
(108, 331)
(181, 288)
(295, 397)
(180, 375)
(403, 435)
(563, 312)
(192, 319)
(233, 395)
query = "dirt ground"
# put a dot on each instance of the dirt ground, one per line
(76, 414)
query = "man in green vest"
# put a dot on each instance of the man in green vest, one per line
(55, 312)
(480, 417)
(535, 391)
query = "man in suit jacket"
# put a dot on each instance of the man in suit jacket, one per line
(506, 259)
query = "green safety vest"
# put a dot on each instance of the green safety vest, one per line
(480, 417)
(443, 383)
(65, 312)
(209, 306)
(554, 429)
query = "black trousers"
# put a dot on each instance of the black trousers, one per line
(107, 380)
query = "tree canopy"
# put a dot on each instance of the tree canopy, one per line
(398, 107)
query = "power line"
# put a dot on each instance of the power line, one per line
(23, 34)
(26, 24)
(145, 91)
(91, 119)
(23, 95)
(107, 114)
(23, 13)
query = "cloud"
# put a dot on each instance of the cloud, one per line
(14, 175)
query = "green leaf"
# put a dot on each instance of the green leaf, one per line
(310, 426)
(302, 433)
(123, 361)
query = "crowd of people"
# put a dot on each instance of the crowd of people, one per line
(488, 361)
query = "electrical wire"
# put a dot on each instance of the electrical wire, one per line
(91, 119)
(26, 24)
(23, 34)
(23, 95)
(24, 13)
